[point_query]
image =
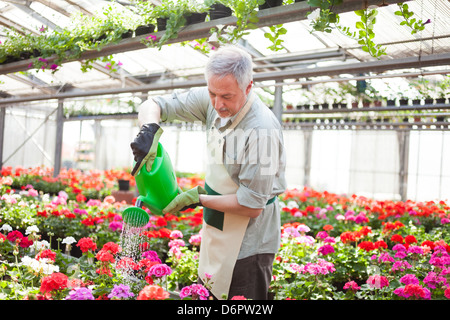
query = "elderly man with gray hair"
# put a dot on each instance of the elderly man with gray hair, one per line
(244, 173)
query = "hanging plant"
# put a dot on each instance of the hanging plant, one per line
(323, 18)
(274, 36)
(413, 23)
(365, 34)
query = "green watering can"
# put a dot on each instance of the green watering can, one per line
(157, 188)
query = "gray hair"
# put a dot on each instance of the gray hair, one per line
(233, 61)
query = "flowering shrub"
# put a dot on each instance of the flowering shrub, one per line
(66, 244)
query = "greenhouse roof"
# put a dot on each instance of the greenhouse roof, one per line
(305, 55)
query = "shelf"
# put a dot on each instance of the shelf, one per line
(371, 109)
(267, 17)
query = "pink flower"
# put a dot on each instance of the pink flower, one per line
(175, 234)
(409, 279)
(351, 285)
(377, 281)
(195, 239)
(432, 280)
(325, 249)
(160, 270)
(196, 291)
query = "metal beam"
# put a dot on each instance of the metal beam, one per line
(355, 68)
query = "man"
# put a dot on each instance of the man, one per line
(244, 174)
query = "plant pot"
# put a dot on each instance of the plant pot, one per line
(390, 103)
(429, 101)
(149, 28)
(440, 100)
(270, 4)
(161, 23)
(403, 102)
(127, 34)
(218, 11)
(416, 102)
(377, 103)
(195, 17)
(124, 185)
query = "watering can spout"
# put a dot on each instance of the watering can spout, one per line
(157, 188)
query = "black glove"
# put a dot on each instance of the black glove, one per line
(145, 145)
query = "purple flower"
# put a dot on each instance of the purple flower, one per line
(409, 279)
(432, 280)
(325, 249)
(81, 293)
(115, 225)
(415, 249)
(151, 255)
(120, 291)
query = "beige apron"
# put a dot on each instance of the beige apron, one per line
(222, 232)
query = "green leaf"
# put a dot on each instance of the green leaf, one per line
(360, 25)
(360, 13)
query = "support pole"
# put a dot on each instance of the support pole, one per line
(59, 137)
(403, 146)
(307, 136)
(278, 102)
(2, 133)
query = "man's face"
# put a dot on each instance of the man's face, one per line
(226, 96)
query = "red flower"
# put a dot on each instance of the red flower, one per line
(42, 214)
(397, 238)
(366, 245)
(380, 244)
(153, 292)
(428, 243)
(14, 235)
(81, 198)
(112, 247)
(161, 222)
(105, 256)
(49, 254)
(410, 239)
(25, 242)
(55, 281)
(86, 244)
(328, 227)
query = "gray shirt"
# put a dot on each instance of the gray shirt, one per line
(253, 155)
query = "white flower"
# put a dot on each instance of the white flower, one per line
(6, 228)
(314, 15)
(42, 245)
(69, 240)
(213, 38)
(31, 229)
(292, 204)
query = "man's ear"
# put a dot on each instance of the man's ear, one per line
(249, 87)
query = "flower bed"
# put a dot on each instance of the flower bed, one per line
(59, 241)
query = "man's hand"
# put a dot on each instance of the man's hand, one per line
(145, 145)
(185, 200)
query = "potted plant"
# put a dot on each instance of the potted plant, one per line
(218, 9)
(270, 4)
(170, 18)
(442, 90)
(195, 12)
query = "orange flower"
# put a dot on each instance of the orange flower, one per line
(328, 227)
(152, 292)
